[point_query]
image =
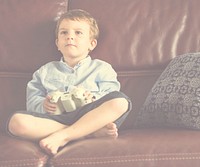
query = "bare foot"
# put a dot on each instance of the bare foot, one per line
(110, 130)
(52, 143)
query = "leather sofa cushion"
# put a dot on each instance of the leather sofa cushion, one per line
(16, 152)
(135, 148)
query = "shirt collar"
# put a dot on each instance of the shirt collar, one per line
(85, 60)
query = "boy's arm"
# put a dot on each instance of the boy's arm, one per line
(107, 81)
(35, 94)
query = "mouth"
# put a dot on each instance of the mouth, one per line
(69, 45)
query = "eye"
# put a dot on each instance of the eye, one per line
(63, 32)
(79, 33)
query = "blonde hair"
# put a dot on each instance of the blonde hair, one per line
(80, 15)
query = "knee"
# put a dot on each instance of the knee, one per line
(120, 105)
(17, 125)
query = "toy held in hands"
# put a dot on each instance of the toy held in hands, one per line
(68, 101)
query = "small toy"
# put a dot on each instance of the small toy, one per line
(68, 101)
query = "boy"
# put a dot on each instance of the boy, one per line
(76, 36)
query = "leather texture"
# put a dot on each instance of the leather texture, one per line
(139, 38)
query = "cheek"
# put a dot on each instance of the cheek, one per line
(59, 45)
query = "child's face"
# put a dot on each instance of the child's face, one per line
(74, 40)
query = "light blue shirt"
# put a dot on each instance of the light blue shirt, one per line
(95, 75)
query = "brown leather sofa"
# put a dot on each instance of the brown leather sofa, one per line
(139, 38)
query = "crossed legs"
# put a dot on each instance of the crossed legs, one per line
(53, 135)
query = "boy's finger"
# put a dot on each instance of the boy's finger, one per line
(48, 97)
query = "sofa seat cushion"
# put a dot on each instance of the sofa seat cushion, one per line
(174, 100)
(143, 147)
(20, 153)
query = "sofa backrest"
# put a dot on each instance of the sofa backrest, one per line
(144, 34)
(138, 37)
(27, 41)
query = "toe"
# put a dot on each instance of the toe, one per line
(111, 126)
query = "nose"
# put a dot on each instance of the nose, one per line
(70, 36)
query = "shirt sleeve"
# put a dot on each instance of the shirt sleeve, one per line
(35, 94)
(107, 81)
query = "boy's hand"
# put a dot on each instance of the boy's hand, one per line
(49, 107)
(89, 97)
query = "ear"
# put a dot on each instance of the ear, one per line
(56, 42)
(93, 44)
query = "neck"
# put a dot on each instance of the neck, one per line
(72, 61)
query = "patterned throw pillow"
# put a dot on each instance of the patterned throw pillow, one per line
(174, 100)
